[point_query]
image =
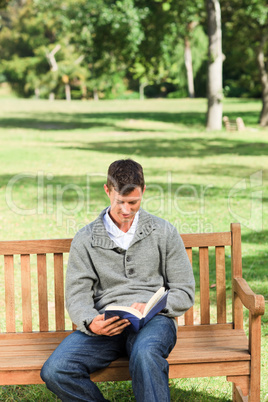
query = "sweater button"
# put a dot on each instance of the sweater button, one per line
(131, 271)
(128, 258)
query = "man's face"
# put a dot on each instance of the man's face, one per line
(124, 207)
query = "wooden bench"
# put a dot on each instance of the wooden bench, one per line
(204, 348)
(234, 125)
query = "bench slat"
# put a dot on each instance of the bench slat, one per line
(10, 293)
(220, 284)
(42, 292)
(59, 292)
(63, 245)
(207, 239)
(204, 285)
(209, 369)
(26, 293)
(35, 246)
(189, 315)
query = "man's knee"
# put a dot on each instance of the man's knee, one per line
(47, 372)
(50, 371)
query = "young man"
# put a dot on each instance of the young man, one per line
(122, 258)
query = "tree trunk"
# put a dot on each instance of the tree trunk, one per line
(215, 58)
(188, 60)
(37, 93)
(68, 92)
(51, 58)
(142, 86)
(95, 94)
(189, 67)
(84, 91)
(264, 82)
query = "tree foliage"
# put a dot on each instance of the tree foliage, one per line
(244, 22)
(245, 25)
(107, 46)
(115, 41)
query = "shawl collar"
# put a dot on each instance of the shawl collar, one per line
(100, 237)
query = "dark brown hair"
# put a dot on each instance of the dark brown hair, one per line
(124, 176)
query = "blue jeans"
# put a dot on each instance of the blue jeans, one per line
(67, 371)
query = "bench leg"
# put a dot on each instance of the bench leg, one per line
(238, 394)
(240, 388)
(255, 351)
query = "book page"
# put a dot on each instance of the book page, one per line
(130, 310)
(153, 301)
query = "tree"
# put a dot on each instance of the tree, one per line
(191, 16)
(165, 53)
(246, 44)
(189, 63)
(264, 78)
(214, 113)
(108, 34)
(3, 3)
(104, 33)
(115, 41)
(26, 40)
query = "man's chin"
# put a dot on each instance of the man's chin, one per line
(126, 218)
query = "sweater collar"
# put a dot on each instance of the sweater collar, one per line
(100, 237)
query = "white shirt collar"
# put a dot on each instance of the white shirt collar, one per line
(114, 230)
(120, 238)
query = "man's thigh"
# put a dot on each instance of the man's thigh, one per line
(90, 352)
(159, 335)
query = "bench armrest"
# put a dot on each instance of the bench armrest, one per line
(254, 303)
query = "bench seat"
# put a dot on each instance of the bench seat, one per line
(222, 352)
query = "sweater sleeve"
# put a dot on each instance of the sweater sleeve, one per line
(80, 277)
(179, 276)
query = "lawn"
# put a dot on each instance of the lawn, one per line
(54, 158)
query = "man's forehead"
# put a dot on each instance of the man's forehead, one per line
(133, 195)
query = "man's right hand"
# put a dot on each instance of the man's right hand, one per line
(112, 326)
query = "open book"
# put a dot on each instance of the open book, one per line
(156, 304)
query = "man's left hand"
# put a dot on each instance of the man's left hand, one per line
(139, 306)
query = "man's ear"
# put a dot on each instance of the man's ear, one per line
(144, 188)
(106, 189)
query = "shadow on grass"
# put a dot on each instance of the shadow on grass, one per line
(255, 237)
(70, 121)
(193, 396)
(50, 124)
(181, 148)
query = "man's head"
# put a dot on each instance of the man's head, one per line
(125, 187)
(124, 176)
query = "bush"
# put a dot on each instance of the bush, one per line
(129, 95)
(181, 93)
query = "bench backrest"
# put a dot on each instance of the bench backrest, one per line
(32, 268)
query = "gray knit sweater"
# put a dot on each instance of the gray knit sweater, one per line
(101, 273)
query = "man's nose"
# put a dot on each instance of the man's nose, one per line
(125, 208)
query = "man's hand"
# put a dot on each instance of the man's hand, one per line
(112, 326)
(139, 306)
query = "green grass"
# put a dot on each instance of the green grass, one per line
(54, 157)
